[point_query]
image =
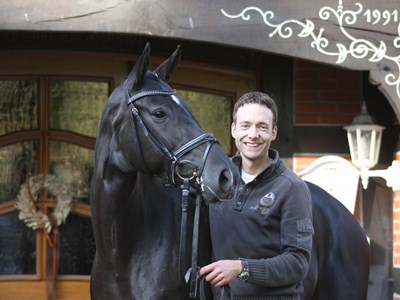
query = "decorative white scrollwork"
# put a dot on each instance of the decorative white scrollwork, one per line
(358, 48)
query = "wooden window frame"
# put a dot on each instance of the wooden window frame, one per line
(189, 75)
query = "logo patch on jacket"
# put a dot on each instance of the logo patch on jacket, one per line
(265, 203)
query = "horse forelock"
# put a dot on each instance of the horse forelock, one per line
(152, 82)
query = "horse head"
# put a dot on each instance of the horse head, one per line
(159, 135)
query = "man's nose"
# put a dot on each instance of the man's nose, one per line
(253, 132)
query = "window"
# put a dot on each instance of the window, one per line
(213, 112)
(48, 125)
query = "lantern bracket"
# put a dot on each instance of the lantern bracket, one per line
(391, 175)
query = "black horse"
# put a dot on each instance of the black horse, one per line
(137, 218)
(340, 259)
(148, 138)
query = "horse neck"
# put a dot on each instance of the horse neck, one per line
(158, 201)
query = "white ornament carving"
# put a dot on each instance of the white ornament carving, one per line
(358, 48)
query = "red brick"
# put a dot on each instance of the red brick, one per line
(339, 74)
(357, 209)
(314, 85)
(350, 86)
(340, 96)
(301, 74)
(396, 226)
(396, 205)
(335, 119)
(396, 215)
(301, 63)
(306, 120)
(396, 248)
(349, 108)
(325, 95)
(302, 162)
(309, 95)
(315, 108)
(396, 238)
(396, 263)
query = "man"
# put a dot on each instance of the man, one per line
(261, 238)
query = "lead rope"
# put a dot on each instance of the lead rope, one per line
(226, 293)
(195, 241)
(191, 274)
(182, 242)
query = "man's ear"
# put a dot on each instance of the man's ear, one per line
(274, 133)
(233, 130)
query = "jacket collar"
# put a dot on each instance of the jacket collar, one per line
(275, 167)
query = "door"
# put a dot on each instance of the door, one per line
(48, 127)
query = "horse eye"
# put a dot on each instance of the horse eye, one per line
(159, 114)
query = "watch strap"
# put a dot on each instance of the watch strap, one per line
(245, 273)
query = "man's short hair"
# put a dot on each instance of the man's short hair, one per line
(257, 98)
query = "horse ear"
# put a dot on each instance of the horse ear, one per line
(138, 72)
(167, 68)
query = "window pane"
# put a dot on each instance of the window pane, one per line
(77, 246)
(73, 166)
(17, 163)
(17, 246)
(213, 113)
(19, 105)
(77, 105)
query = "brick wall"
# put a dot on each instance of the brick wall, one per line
(396, 229)
(325, 95)
(333, 96)
(302, 162)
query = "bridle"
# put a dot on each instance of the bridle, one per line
(173, 157)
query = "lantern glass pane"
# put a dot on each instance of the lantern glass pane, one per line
(352, 138)
(364, 144)
(377, 145)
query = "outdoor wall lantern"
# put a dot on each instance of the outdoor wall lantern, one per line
(364, 137)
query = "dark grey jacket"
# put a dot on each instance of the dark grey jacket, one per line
(269, 222)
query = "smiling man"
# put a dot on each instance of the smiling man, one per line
(261, 238)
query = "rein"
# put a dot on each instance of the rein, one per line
(173, 157)
(191, 274)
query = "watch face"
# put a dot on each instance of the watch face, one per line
(244, 276)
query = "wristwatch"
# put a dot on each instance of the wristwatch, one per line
(245, 274)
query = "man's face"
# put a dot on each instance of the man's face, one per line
(253, 132)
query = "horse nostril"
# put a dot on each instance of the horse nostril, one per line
(226, 181)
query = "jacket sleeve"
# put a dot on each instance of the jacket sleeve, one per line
(296, 232)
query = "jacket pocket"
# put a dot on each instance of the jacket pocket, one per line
(305, 231)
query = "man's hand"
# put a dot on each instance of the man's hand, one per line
(221, 272)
